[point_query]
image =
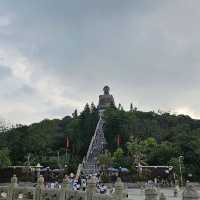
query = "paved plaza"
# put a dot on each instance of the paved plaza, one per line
(136, 194)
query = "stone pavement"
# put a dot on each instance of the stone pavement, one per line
(136, 194)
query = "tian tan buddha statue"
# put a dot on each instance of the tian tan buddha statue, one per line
(106, 99)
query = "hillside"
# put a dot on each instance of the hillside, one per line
(166, 136)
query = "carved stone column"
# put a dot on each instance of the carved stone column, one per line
(39, 187)
(12, 186)
(91, 188)
(190, 193)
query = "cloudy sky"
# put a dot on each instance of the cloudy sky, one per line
(57, 55)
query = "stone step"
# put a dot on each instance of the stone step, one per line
(95, 149)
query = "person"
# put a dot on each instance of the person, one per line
(83, 184)
(52, 186)
(56, 184)
(98, 187)
(78, 186)
(150, 183)
(112, 191)
(176, 190)
(75, 182)
(103, 189)
(71, 181)
(155, 181)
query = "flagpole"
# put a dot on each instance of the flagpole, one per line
(58, 158)
(66, 149)
(118, 141)
(66, 160)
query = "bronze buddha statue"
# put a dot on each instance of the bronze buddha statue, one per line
(106, 99)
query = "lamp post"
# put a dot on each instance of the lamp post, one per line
(180, 168)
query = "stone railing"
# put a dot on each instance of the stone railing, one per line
(189, 193)
(16, 192)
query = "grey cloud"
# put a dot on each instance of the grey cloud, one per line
(146, 50)
(22, 94)
(5, 72)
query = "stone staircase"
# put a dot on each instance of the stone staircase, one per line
(97, 144)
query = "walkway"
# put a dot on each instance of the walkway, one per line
(136, 194)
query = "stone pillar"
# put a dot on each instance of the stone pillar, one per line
(14, 181)
(39, 187)
(64, 192)
(91, 187)
(66, 184)
(190, 193)
(162, 197)
(151, 194)
(119, 190)
(12, 186)
(40, 182)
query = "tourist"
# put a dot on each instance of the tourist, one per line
(70, 180)
(98, 187)
(78, 186)
(112, 191)
(103, 189)
(52, 185)
(83, 184)
(176, 190)
(75, 182)
(155, 181)
(56, 184)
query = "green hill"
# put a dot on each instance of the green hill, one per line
(162, 138)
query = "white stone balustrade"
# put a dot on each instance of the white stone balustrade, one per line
(16, 192)
(190, 193)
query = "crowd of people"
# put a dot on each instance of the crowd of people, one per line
(79, 183)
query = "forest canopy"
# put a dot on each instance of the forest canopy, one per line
(152, 138)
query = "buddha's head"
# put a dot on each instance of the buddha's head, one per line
(106, 89)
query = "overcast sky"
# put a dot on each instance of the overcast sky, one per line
(57, 55)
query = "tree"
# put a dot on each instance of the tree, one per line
(150, 142)
(153, 135)
(149, 145)
(136, 151)
(4, 158)
(118, 158)
(87, 108)
(162, 153)
(75, 114)
(93, 107)
(131, 107)
(105, 160)
(177, 165)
